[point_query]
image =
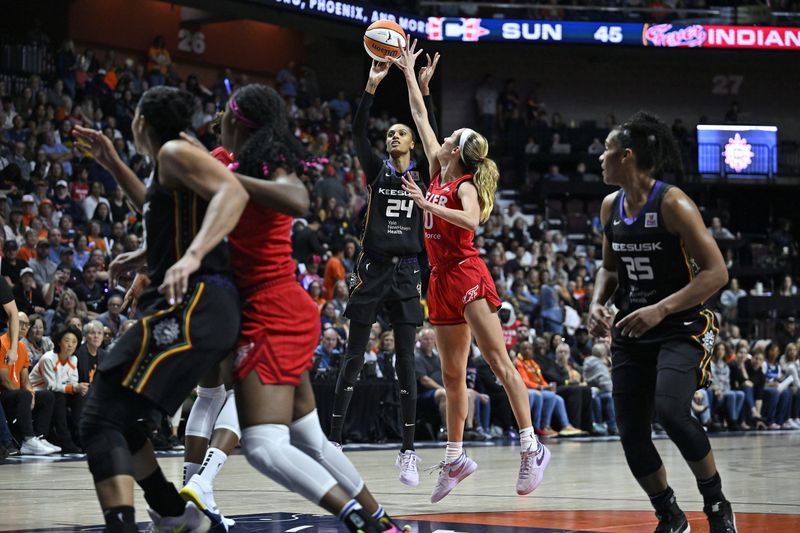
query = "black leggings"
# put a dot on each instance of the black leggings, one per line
(113, 426)
(404, 335)
(639, 392)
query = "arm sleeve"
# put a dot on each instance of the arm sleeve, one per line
(369, 161)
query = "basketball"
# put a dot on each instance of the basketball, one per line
(384, 39)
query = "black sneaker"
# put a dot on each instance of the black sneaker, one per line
(672, 522)
(720, 517)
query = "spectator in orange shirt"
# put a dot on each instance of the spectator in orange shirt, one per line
(548, 401)
(334, 270)
(28, 250)
(33, 411)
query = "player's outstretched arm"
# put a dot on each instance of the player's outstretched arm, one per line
(405, 63)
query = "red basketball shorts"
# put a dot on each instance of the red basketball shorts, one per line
(455, 285)
(280, 331)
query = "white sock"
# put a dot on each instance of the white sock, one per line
(307, 435)
(212, 463)
(527, 439)
(268, 450)
(189, 469)
(453, 451)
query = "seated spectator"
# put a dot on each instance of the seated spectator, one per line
(35, 341)
(27, 295)
(788, 288)
(57, 372)
(791, 369)
(531, 148)
(542, 396)
(42, 266)
(113, 317)
(729, 299)
(577, 397)
(740, 381)
(91, 352)
(32, 410)
(327, 356)
(777, 398)
(719, 232)
(28, 250)
(581, 175)
(386, 357)
(12, 266)
(315, 291)
(596, 148)
(554, 174)
(559, 147)
(720, 393)
(68, 306)
(91, 292)
(701, 409)
(428, 369)
(340, 297)
(81, 254)
(597, 373)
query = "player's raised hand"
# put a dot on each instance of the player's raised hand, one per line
(100, 146)
(426, 72)
(408, 57)
(377, 72)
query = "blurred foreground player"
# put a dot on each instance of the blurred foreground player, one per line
(189, 323)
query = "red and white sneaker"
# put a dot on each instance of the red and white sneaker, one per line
(451, 474)
(531, 469)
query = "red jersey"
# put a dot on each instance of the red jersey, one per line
(446, 242)
(261, 243)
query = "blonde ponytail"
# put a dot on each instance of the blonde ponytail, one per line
(483, 169)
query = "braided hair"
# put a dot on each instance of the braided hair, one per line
(271, 144)
(652, 141)
(168, 111)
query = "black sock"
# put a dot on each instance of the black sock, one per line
(408, 437)
(664, 502)
(120, 519)
(711, 489)
(161, 495)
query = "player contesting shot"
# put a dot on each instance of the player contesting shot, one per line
(387, 272)
(462, 297)
(661, 265)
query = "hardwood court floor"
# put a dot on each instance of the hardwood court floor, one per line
(587, 488)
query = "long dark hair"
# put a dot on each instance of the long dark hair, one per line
(271, 145)
(652, 141)
(168, 111)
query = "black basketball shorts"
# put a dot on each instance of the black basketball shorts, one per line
(395, 285)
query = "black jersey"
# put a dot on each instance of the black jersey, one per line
(172, 218)
(393, 224)
(652, 263)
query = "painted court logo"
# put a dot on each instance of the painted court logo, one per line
(471, 294)
(738, 153)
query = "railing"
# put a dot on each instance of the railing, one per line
(26, 59)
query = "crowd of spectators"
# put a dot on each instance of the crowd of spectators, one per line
(65, 219)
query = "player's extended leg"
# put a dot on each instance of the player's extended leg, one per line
(348, 374)
(674, 391)
(405, 336)
(634, 398)
(488, 334)
(265, 413)
(307, 435)
(453, 343)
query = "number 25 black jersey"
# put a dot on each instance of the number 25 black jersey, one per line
(652, 263)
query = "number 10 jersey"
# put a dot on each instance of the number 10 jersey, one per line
(652, 263)
(393, 223)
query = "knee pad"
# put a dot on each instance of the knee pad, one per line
(268, 450)
(228, 417)
(107, 452)
(205, 411)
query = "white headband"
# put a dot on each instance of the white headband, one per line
(463, 140)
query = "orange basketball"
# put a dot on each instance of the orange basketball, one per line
(383, 39)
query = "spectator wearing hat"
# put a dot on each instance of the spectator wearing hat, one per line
(47, 215)
(28, 296)
(28, 209)
(27, 251)
(64, 202)
(12, 265)
(42, 266)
